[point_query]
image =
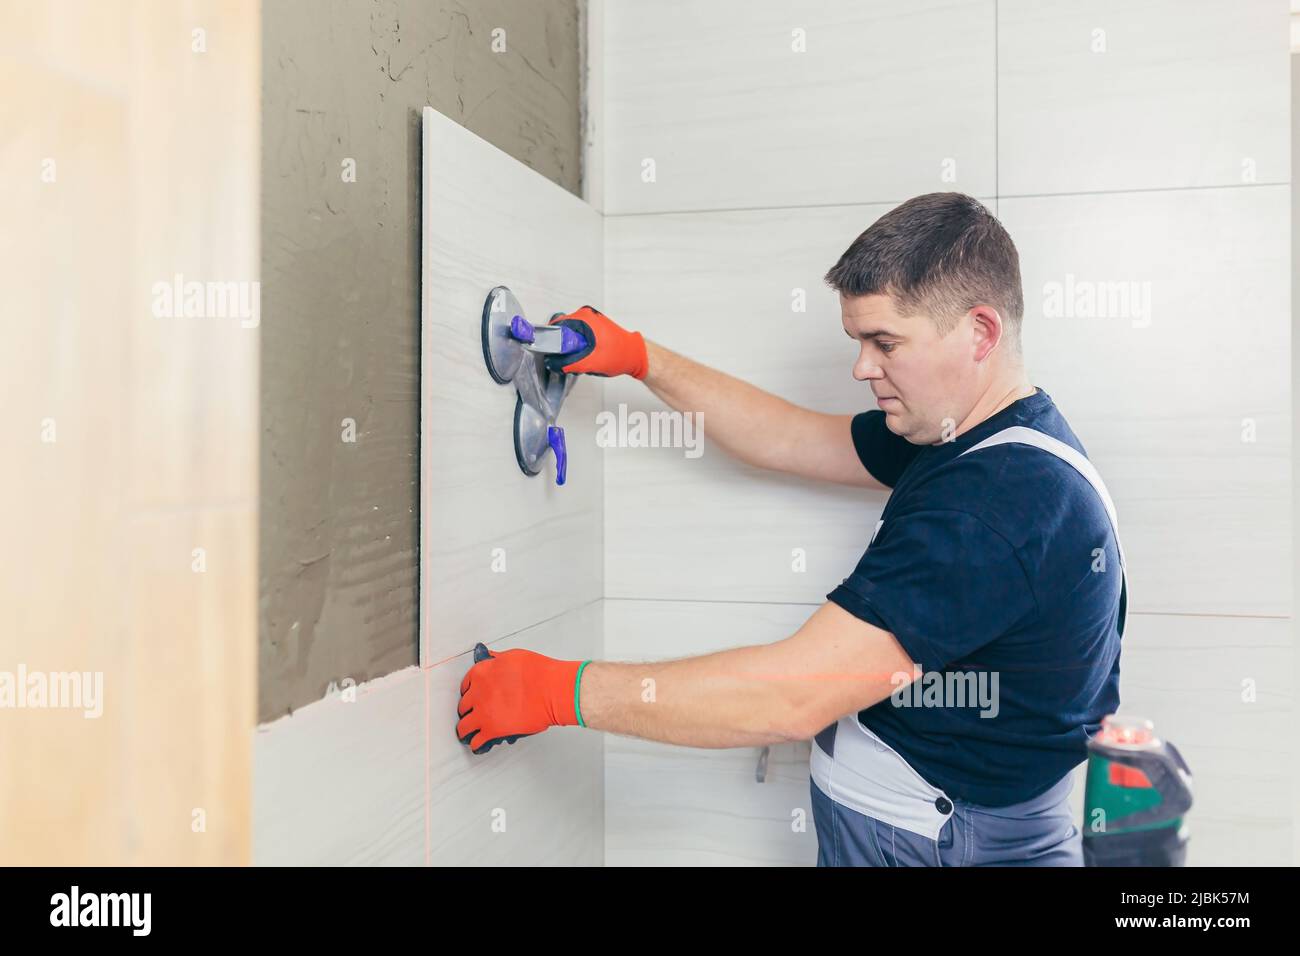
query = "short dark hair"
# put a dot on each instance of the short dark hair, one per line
(941, 253)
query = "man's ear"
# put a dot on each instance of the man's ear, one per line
(987, 330)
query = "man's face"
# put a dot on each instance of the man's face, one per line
(925, 384)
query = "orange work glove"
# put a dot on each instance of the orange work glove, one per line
(514, 694)
(611, 349)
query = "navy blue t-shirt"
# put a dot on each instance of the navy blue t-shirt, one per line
(984, 564)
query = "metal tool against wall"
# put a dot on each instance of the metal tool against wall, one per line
(514, 351)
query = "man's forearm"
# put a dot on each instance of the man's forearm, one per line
(750, 696)
(734, 698)
(743, 420)
(835, 664)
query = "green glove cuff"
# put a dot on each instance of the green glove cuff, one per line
(577, 693)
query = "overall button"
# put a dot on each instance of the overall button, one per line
(943, 805)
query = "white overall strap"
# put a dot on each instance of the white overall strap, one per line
(1032, 436)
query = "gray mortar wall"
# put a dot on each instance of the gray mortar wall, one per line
(346, 80)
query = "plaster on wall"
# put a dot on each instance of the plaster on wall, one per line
(338, 547)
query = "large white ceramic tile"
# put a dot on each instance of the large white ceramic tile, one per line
(714, 529)
(1190, 675)
(742, 291)
(341, 782)
(890, 99)
(659, 630)
(1113, 94)
(1239, 842)
(679, 806)
(683, 806)
(1181, 394)
(723, 289)
(490, 220)
(538, 801)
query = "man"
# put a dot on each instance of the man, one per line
(951, 682)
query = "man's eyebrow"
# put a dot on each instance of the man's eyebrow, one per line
(874, 334)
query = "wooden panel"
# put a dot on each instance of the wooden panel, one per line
(1153, 95)
(890, 99)
(194, 378)
(489, 220)
(682, 806)
(194, 659)
(133, 488)
(1176, 378)
(60, 498)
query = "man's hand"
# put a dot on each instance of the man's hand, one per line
(611, 349)
(514, 694)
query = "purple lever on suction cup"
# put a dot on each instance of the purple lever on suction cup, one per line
(521, 329)
(555, 438)
(571, 341)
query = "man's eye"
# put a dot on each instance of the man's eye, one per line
(886, 346)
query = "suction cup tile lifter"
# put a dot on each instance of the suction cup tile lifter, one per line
(514, 351)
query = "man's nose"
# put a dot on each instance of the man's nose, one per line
(864, 370)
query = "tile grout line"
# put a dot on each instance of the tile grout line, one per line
(1144, 189)
(773, 208)
(1132, 613)
(1135, 190)
(517, 631)
(997, 96)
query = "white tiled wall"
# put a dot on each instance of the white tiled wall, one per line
(1161, 94)
(1183, 405)
(683, 806)
(885, 98)
(704, 528)
(1154, 152)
